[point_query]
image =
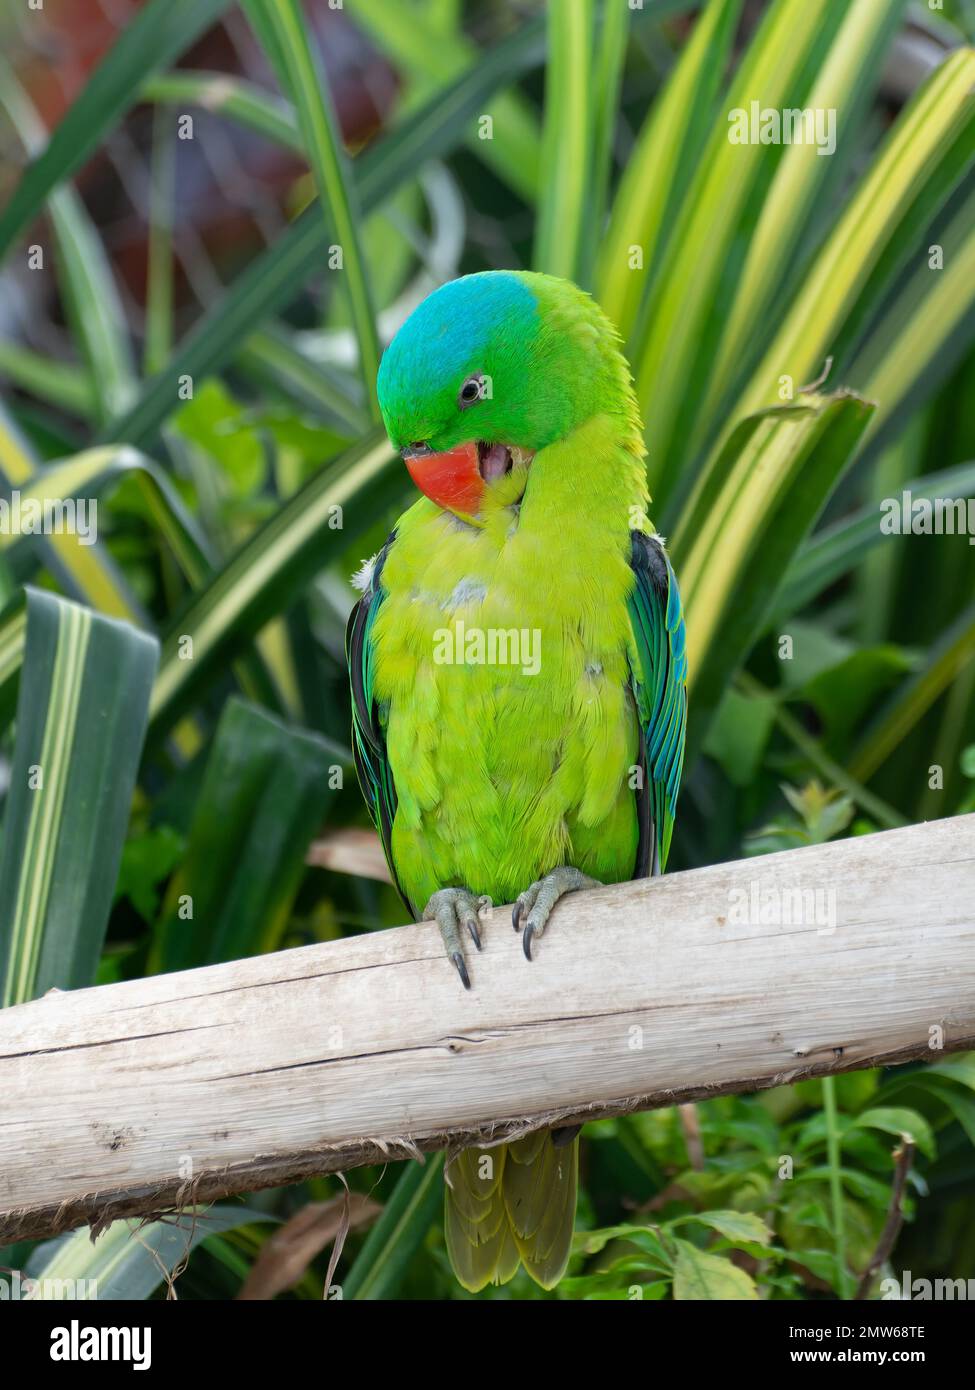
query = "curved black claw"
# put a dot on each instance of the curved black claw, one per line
(534, 905)
(453, 909)
(458, 961)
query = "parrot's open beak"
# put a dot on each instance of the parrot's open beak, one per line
(456, 478)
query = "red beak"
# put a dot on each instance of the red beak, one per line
(452, 479)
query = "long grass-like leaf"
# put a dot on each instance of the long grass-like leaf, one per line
(923, 334)
(566, 139)
(264, 576)
(93, 470)
(271, 355)
(159, 270)
(61, 384)
(234, 97)
(835, 551)
(88, 289)
(13, 635)
(124, 1263)
(398, 1234)
(264, 795)
(81, 720)
(736, 541)
(280, 26)
(610, 59)
(87, 570)
(948, 657)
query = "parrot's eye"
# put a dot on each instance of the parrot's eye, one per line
(471, 391)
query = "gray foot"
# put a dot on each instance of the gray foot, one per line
(453, 909)
(535, 905)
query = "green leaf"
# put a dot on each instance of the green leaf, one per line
(95, 470)
(701, 1276)
(610, 60)
(218, 424)
(151, 39)
(947, 657)
(750, 512)
(50, 380)
(13, 634)
(738, 737)
(643, 1237)
(837, 549)
(901, 1122)
(99, 469)
(87, 570)
(378, 1270)
(147, 860)
(122, 1262)
(738, 1227)
(273, 357)
(81, 720)
(566, 140)
(927, 327)
(821, 1263)
(862, 1185)
(231, 96)
(283, 34)
(263, 797)
(845, 693)
(160, 268)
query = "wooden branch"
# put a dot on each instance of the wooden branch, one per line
(350, 852)
(137, 1097)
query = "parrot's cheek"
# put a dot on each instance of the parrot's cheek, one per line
(452, 478)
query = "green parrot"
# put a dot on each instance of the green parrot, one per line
(518, 669)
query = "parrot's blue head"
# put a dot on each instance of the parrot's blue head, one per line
(486, 371)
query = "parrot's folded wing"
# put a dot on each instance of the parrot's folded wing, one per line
(658, 670)
(368, 730)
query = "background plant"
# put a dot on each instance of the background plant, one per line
(190, 350)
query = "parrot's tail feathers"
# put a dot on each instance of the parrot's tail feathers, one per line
(514, 1204)
(539, 1181)
(480, 1244)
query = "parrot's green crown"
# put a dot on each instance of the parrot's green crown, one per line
(504, 361)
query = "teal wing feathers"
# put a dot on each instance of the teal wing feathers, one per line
(368, 726)
(658, 671)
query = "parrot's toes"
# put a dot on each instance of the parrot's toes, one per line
(534, 906)
(454, 909)
(524, 905)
